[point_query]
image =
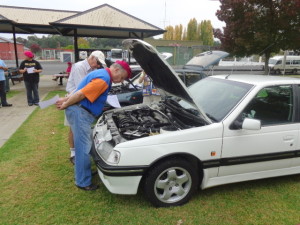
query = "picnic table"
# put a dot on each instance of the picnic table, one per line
(14, 75)
(60, 76)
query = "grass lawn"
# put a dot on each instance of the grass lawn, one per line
(12, 93)
(37, 187)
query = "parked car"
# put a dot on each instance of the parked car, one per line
(222, 129)
(130, 93)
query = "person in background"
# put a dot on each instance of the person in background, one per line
(78, 72)
(150, 93)
(31, 70)
(68, 70)
(3, 68)
(82, 108)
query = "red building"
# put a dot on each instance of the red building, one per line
(7, 50)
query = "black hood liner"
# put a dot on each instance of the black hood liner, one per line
(162, 75)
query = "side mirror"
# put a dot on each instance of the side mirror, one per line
(251, 124)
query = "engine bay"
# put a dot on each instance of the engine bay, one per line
(141, 120)
(120, 89)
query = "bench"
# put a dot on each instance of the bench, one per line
(14, 75)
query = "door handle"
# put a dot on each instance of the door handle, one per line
(288, 138)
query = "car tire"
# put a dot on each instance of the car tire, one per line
(171, 183)
(278, 72)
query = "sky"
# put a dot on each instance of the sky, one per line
(160, 13)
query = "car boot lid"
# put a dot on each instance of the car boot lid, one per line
(162, 74)
(205, 59)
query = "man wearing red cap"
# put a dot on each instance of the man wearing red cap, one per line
(82, 108)
(31, 70)
(79, 70)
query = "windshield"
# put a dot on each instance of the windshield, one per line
(273, 61)
(116, 54)
(217, 97)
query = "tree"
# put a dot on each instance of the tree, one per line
(205, 31)
(184, 38)
(22, 40)
(169, 35)
(83, 43)
(192, 30)
(178, 32)
(35, 48)
(259, 26)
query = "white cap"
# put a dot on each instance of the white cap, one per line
(100, 56)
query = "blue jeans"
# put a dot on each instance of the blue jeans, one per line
(3, 93)
(32, 88)
(80, 121)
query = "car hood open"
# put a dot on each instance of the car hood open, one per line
(205, 59)
(162, 74)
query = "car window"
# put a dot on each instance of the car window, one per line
(272, 105)
(217, 97)
(190, 78)
(296, 62)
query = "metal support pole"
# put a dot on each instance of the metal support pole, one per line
(76, 52)
(15, 46)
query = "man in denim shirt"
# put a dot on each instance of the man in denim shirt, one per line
(3, 68)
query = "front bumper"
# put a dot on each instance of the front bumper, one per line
(126, 185)
(118, 179)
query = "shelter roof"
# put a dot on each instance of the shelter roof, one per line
(101, 21)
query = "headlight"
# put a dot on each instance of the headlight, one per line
(114, 157)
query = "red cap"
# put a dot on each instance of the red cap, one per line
(125, 67)
(29, 54)
(69, 63)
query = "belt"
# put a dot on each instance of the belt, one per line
(86, 109)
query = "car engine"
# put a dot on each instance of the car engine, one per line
(120, 89)
(141, 120)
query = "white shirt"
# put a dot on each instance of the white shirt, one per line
(78, 72)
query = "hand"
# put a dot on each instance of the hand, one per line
(60, 103)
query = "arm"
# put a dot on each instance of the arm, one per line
(142, 77)
(22, 68)
(3, 68)
(65, 102)
(38, 68)
(38, 71)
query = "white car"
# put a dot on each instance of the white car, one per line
(222, 129)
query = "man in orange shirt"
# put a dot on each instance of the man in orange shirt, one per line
(82, 108)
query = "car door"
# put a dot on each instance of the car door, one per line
(296, 160)
(269, 148)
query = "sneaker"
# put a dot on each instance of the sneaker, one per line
(72, 160)
(36, 104)
(30, 104)
(7, 105)
(91, 187)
